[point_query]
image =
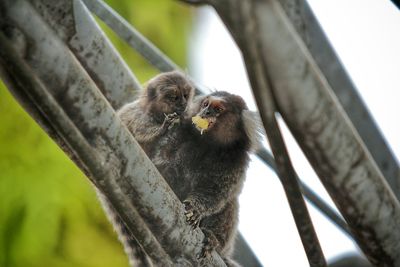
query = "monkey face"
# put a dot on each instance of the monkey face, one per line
(223, 111)
(174, 98)
(168, 93)
(210, 109)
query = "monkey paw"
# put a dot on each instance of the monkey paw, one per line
(210, 243)
(171, 117)
(170, 120)
(192, 214)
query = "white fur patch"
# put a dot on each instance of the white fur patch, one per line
(254, 128)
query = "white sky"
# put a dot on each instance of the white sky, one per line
(365, 34)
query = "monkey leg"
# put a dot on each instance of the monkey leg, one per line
(220, 230)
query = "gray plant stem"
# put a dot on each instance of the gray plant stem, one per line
(310, 195)
(61, 90)
(134, 38)
(319, 124)
(309, 30)
(137, 41)
(237, 15)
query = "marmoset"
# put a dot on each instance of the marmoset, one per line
(156, 112)
(160, 106)
(205, 164)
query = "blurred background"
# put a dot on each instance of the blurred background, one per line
(49, 213)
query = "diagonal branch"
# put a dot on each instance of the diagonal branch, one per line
(238, 17)
(131, 35)
(314, 199)
(21, 81)
(128, 33)
(306, 25)
(320, 126)
(56, 83)
(90, 45)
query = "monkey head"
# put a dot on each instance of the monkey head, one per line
(222, 114)
(168, 93)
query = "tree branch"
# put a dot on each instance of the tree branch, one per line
(238, 17)
(60, 88)
(91, 47)
(21, 81)
(131, 35)
(320, 126)
(303, 20)
(128, 33)
(311, 196)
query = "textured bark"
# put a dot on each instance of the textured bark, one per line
(311, 196)
(155, 57)
(44, 70)
(308, 28)
(74, 25)
(318, 123)
(237, 15)
(151, 53)
(135, 39)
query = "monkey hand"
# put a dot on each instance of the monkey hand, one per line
(170, 120)
(192, 213)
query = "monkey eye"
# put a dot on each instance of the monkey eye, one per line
(173, 97)
(205, 104)
(219, 109)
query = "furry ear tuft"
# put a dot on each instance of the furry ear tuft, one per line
(194, 107)
(151, 90)
(254, 129)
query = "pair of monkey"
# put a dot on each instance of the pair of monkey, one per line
(204, 167)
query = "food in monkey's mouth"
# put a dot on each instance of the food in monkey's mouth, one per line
(202, 123)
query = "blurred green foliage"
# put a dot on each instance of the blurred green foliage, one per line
(49, 213)
(166, 23)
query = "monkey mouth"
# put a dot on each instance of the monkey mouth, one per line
(203, 124)
(211, 121)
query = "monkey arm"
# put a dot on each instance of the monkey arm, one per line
(147, 130)
(144, 128)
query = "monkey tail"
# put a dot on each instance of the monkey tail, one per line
(137, 256)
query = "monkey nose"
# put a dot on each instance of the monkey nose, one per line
(180, 110)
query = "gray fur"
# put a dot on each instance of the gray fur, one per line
(254, 128)
(206, 171)
(149, 118)
(136, 255)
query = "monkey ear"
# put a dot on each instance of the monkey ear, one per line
(254, 129)
(151, 89)
(193, 107)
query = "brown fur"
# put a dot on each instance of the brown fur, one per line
(156, 111)
(150, 116)
(206, 170)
